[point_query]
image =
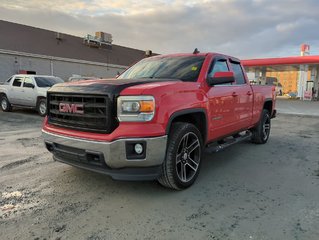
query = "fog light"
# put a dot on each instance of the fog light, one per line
(138, 148)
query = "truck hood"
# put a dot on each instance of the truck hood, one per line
(110, 87)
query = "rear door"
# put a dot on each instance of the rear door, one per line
(221, 102)
(243, 97)
(29, 92)
(16, 91)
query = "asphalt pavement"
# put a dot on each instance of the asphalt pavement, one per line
(297, 107)
(248, 191)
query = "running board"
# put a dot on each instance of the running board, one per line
(227, 142)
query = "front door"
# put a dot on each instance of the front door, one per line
(221, 102)
(16, 91)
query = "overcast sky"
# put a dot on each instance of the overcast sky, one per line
(242, 28)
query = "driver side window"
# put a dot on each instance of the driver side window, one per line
(219, 66)
(17, 82)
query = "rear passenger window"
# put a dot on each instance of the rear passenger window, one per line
(219, 66)
(28, 82)
(17, 82)
(238, 73)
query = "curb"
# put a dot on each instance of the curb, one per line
(297, 115)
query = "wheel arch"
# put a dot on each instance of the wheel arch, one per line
(196, 116)
(3, 94)
(39, 98)
(268, 105)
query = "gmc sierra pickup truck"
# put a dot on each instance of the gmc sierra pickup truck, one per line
(26, 91)
(153, 121)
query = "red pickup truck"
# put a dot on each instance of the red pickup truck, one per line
(154, 120)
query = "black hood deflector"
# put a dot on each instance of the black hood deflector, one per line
(112, 88)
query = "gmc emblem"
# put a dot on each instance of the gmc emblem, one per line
(71, 108)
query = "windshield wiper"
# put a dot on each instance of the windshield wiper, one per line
(146, 77)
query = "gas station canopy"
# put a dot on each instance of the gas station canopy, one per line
(298, 60)
(280, 64)
(307, 88)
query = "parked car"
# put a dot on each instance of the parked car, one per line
(153, 121)
(26, 91)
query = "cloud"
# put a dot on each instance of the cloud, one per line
(243, 28)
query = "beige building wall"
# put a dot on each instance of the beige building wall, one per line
(288, 79)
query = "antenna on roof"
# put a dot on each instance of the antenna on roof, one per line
(148, 53)
(196, 51)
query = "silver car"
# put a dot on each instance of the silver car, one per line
(26, 91)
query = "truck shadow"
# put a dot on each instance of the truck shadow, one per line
(212, 162)
(224, 176)
(216, 167)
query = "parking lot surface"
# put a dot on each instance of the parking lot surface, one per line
(297, 107)
(244, 192)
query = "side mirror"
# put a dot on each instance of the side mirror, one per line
(221, 78)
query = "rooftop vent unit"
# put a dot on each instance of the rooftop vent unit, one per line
(104, 37)
(100, 40)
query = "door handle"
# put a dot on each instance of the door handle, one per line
(234, 94)
(249, 93)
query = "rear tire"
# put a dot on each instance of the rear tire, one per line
(183, 157)
(5, 104)
(42, 107)
(262, 130)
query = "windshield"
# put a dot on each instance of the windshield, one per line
(182, 68)
(43, 82)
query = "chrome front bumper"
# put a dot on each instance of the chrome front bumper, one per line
(108, 157)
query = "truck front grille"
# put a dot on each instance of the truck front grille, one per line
(91, 113)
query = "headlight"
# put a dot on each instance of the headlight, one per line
(135, 108)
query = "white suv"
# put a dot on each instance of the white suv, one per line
(27, 91)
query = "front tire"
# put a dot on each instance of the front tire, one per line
(262, 131)
(183, 157)
(42, 107)
(5, 104)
